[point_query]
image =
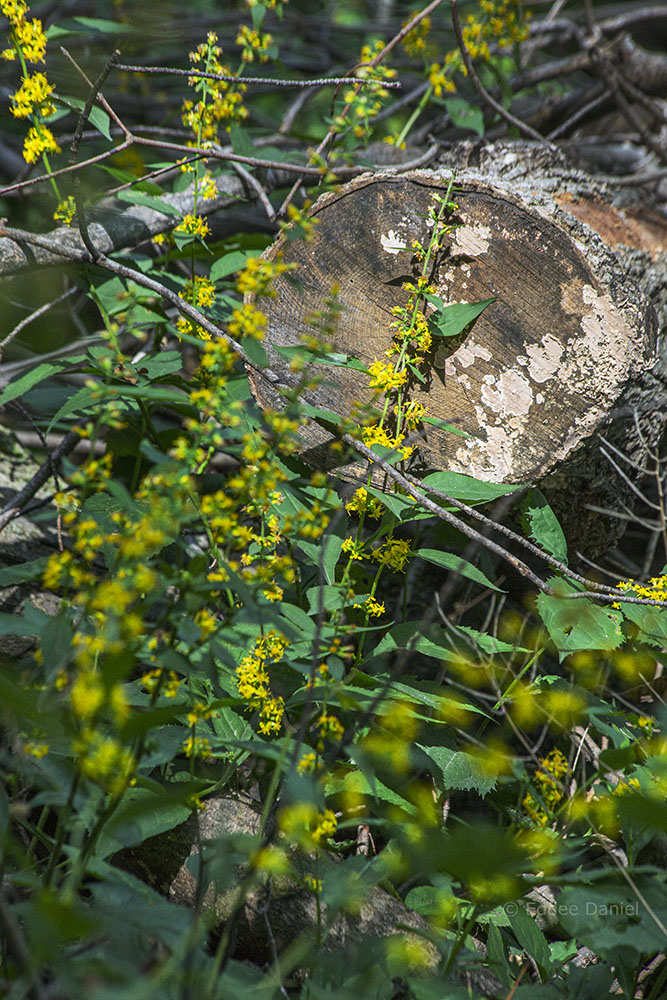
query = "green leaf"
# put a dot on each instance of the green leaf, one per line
(451, 320)
(459, 770)
(105, 26)
(157, 204)
(542, 524)
(145, 812)
(31, 378)
(651, 621)
(433, 641)
(79, 402)
(31, 622)
(97, 116)
(317, 413)
(356, 783)
(497, 956)
(329, 598)
(531, 939)
(616, 916)
(334, 359)
(230, 263)
(457, 565)
(467, 488)
(79, 25)
(33, 570)
(255, 352)
(578, 624)
(465, 115)
(242, 144)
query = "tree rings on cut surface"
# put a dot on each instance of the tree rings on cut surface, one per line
(541, 370)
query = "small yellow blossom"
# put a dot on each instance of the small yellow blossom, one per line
(39, 140)
(394, 553)
(193, 225)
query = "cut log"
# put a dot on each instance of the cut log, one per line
(569, 348)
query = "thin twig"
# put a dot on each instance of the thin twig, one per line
(596, 591)
(35, 315)
(252, 182)
(88, 106)
(610, 76)
(84, 257)
(323, 81)
(328, 138)
(575, 118)
(18, 502)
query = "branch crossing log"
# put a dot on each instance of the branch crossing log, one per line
(569, 348)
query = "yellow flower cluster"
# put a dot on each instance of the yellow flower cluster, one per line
(32, 99)
(66, 210)
(199, 292)
(105, 761)
(414, 42)
(258, 275)
(499, 22)
(364, 104)
(255, 44)
(373, 608)
(27, 36)
(254, 685)
(363, 503)
(394, 553)
(654, 590)
(549, 788)
(193, 225)
(247, 322)
(378, 435)
(302, 823)
(197, 746)
(440, 81)
(220, 102)
(166, 681)
(385, 377)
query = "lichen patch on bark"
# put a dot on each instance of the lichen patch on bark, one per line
(544, 358)
(472, 240)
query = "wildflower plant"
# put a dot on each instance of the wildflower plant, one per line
(221, 626)
(32, 101)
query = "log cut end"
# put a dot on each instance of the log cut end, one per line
(542, 369)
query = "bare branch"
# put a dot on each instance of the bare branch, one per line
(323, 81)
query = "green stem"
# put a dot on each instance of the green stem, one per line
(413, 117)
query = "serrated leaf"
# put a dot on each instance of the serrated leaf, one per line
(451, 320)
(447, 560)
(459, 770)
(579, 624)
(542, 524)
(651, 621)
